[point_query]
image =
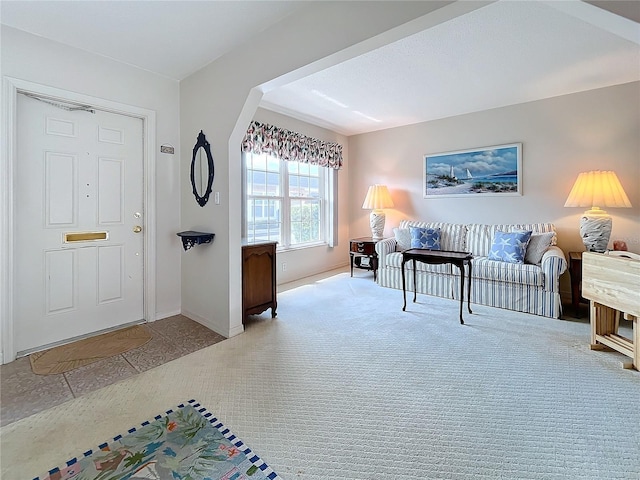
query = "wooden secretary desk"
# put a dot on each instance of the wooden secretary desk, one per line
(258, 278)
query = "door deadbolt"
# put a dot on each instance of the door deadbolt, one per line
(137, 229)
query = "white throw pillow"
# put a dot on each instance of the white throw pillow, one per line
(538, 244)
(403, 238)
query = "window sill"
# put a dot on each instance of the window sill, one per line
(301, 247)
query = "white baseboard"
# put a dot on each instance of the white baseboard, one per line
(219, 329)
(161, 315)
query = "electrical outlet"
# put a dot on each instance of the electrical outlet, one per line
(284, 266)
(216, 198)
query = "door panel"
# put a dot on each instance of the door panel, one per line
(60, 179)
(78, 177)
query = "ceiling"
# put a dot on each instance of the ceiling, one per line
(505, 53)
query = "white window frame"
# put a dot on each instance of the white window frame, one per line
(328, 204)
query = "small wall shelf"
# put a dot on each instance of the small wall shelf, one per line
(190, 238)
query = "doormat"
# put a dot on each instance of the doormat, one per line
(89, 350)
(187, 442)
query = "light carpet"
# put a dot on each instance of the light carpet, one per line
(344, 385)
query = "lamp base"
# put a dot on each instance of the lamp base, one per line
(376, 222)
(595, 231)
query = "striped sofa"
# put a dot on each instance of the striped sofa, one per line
(522, 287)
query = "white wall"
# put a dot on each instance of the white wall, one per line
(35, 59)
(309, 261)
(220, 101)
(561, 137)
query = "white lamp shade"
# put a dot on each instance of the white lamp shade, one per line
(377, 198)
(597, 189)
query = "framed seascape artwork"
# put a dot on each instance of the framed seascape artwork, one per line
(485, 171)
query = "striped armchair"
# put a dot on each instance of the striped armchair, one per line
(529, 288)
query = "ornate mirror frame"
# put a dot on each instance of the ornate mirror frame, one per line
(202, 143)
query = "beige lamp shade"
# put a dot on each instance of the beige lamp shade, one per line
(376, 200)
(597, 189)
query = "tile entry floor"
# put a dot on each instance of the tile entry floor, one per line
(23, 393)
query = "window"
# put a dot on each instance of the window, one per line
(285, 201)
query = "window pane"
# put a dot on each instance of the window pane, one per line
(305, 221)
(273, 184)
(314, 187)
(304, 168)
(304, 186)
(293, 167)
(293, 186)
(259, 162)
(256, 183)
(273, 164)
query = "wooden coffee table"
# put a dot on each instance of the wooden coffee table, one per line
(459, 259)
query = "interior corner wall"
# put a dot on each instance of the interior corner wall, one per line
(217, 96)
(310, 261)
(561, 137)
(35, 59)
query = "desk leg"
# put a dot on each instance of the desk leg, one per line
(462, 276)
(636, 343)
(469, 289)
(404, 287)
(604, 321)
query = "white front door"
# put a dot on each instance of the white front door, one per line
(78, 241)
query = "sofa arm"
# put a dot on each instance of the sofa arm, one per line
(384, 247)
(553, 265)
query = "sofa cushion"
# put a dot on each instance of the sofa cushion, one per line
(509, 247)
(425, 238)
(480, 236)
(483, 268)
(452, 235)
(403, 238)
(394, 259)
(538, 244)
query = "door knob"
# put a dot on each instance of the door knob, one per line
(137, 229)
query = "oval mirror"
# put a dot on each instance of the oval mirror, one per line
(202, 170)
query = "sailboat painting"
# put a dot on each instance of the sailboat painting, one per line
(486, 171)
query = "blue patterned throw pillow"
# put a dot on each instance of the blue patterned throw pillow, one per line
(425, 238)
(509, 247)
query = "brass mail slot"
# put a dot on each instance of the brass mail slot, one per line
(85, 236)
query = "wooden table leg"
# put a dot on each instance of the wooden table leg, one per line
(415, 286)
(462, 275)
(469, 289)
(351, 261)
(404, 287)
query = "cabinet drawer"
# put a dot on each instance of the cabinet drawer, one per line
(366, 248)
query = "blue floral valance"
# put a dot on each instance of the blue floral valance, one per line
(288, 145)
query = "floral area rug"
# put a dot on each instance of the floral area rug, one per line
(185, 443)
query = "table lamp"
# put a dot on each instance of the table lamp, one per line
(376, 200)
(597, 189)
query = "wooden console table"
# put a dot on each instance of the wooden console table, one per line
(259, 279)
(612, 283)
(459, 259)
